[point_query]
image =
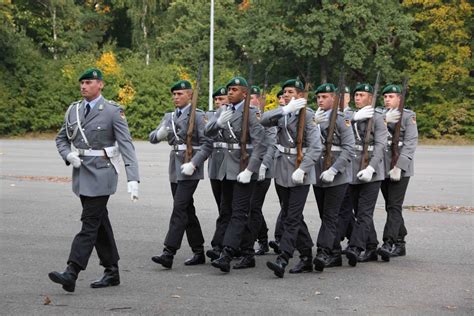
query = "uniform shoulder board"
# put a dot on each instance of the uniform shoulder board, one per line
(199, 110)
(339, 113)
(113, 103)
(379, 110)
(408, 111)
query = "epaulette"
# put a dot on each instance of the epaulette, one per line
(408, 111)
(113, 103)
(339, 113)
(379, 110)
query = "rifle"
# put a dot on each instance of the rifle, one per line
(338, 102)
(370, 122)
(244, 155)
(300, 132)
(396, 134)
(192, 118)
(263, 96)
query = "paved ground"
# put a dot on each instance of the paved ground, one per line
(39, 219)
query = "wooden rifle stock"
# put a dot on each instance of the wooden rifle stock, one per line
(300, 132)
(192, 119)
(370, 122)
(338, 100)
(396, 134)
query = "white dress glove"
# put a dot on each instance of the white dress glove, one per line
(188, 169)
(365, 175)
(294, 105)
(162, 133)
(132, 188)
(328, 175)
(395, 174)
(365, 113)
(262, 172)
(392, 116)
(224, 118)
(244, 176)
(298, 176)
(73, 158)
(320, 116)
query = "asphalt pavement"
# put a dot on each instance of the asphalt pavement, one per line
(40, 216)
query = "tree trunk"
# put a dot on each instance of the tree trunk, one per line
(55, 34)
(323, 62)
(145, 34)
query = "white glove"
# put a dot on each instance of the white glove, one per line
(244, 176)
(395, 174)
(188, 169)
(365, 175)
(365, 113)
(162, 133)
(132, 188)
(328, 175)
(73, 158)
(294, 105)
(392, 116)
(298, 176)
(224, 118)
(261, 172)
(320, 116)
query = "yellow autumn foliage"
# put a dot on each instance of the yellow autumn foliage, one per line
(108, 64)
(126, 94)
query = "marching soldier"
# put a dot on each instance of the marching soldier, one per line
(237, 184)
(93, 126)
(396, 180)
(214, 164)
(366, 182)
(333, 182)
(184, 177)
(292, 183)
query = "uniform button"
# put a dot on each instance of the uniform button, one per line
(82, 140)
(108, 164)
(98, 127)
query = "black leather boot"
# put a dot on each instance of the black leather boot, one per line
(368, 255)
(304, 265)
(246, 261)
(321, 260)
(224, 260)
(262, 247)
(67, 278)
(165, 259)
(275, 245)
(111, 277)
(278, 267)
(352, 254)
(214, 253)
(335, 259)
(385, 252)
(399, 249)
(197, 258)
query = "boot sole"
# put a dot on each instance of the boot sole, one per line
(223, 269)
(66, 287)
(98, 286)
(168, 266)
(319, 265)
(237, 267)
(194, 263)
(384, 255)
(276, 269)
(301, 271)
(352, 257)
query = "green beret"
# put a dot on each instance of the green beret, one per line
(346, 89)
(91, 73)
(237, 81)
(255, 90)
(325, 88)
(219, 92)
(280, 93)
(181, 85)
(293, 83)
(392, 88)
(364, 87)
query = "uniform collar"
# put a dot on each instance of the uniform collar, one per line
(92, 103)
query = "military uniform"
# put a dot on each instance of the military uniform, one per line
(293, 196)
(328, 194)
(236, 195)
(183, 217)
(98, 135)
(364, 194)
(394, 191)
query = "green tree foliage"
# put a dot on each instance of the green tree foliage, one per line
(144, 46)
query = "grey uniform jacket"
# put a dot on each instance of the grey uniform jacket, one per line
(285, 162)
(409, 139)
(104, 126)
(198, 140)
(216, 158)
(343, 140)
(230, 167)
(378, 140)
(270, 140)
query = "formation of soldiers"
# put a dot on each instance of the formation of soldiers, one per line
(343, 153)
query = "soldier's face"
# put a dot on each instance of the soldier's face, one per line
(236, 94)
(362, 99)
(281, 100)
(254, 100)
(220, 100)
(90, 88)
(291, 92)
(391, 100)
(181, 98)
(347, 99)
(325, 100)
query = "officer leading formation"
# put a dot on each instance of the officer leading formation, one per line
(346, 155)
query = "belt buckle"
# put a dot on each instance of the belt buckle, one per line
(287, 150)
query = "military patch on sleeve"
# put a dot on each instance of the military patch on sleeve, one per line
(348, 122)
(413, 119)
(258, 115)
(122, 115)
